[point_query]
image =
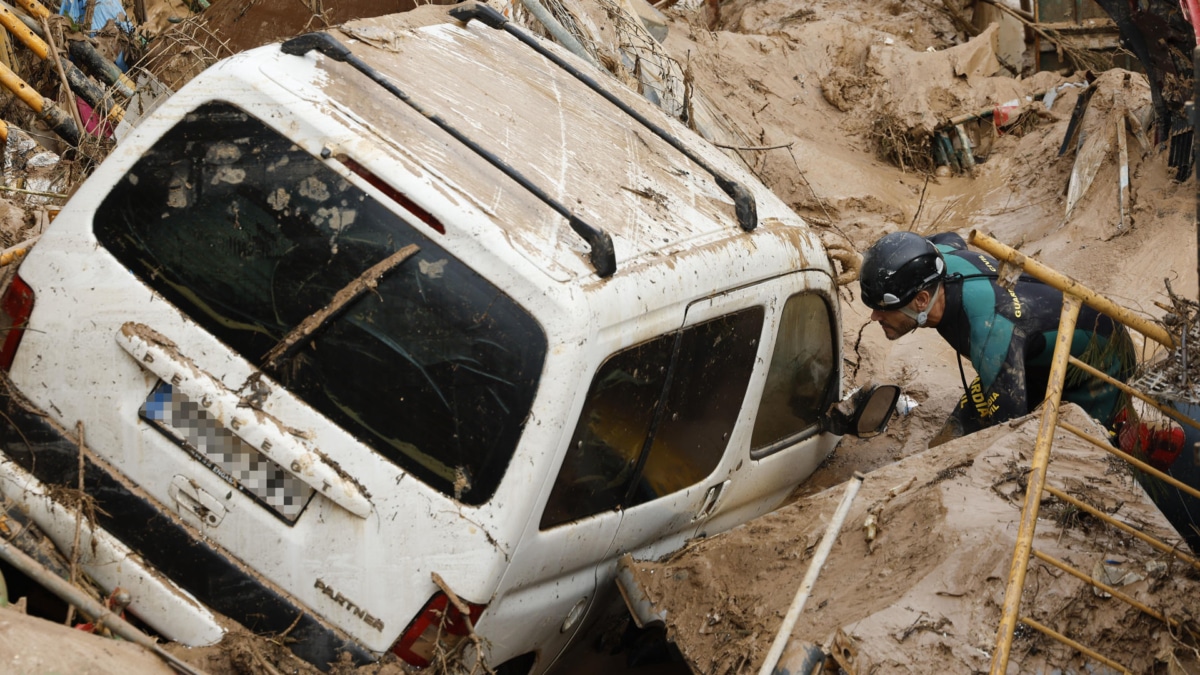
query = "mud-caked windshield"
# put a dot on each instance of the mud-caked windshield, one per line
(434, 368)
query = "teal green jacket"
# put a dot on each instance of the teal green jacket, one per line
(1009, 337)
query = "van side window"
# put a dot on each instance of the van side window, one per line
(657, 418)
(800, 380)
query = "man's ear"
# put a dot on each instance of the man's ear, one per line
(920, 301)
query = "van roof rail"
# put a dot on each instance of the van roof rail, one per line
(602, 256)
(743, 201)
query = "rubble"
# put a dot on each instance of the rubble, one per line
(838, 106)
(923, 594)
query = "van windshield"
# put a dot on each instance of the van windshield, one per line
(248, 235)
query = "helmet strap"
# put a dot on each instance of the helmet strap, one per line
(922, 316)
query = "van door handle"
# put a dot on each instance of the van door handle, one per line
(158, 355)
(711, 499)
(192, 499)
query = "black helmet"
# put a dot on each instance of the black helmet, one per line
(896, 268)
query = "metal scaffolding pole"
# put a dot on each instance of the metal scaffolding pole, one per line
(1010, 611)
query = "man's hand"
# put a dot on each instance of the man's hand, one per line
(951, 430)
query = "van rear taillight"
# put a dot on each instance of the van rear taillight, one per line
(15, 307)
(439, 625)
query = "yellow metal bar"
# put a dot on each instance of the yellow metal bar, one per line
(22, 32)
(35, 9)
(16, 253)
(67, 71)
(1128, 529)
(1033, 491)
(13, 82)
(3, 131)
(1170, 480)
(1128, 599)
(1169, 412)
(49, 113)
(1050, 632)
(1069, 286)
(36, 193)
(79, 83)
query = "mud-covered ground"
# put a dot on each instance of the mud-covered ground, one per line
(830, 102)
(917, 577)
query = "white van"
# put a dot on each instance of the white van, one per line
(400, 320)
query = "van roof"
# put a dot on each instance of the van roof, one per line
(563, 137)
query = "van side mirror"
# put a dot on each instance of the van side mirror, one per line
(864, 413)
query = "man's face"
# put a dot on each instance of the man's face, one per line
(894, 322)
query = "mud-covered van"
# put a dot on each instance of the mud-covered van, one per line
(386, 335)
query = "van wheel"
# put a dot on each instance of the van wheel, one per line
(520, 665)
(649, 646)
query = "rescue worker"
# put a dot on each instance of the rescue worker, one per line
(911, 282)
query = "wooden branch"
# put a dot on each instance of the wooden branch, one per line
(55, 195)
(967, 27)
(451, 595)
(963, 25)
(62, 76)
(351, 292)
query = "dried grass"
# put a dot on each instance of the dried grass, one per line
(895, 142)
(181, 53)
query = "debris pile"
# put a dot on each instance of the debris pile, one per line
(1176, 376)
(917, 576)
(866, 118)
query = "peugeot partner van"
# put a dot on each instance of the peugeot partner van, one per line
(400, 333)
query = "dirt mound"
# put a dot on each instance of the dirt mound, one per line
(182, 50)
(32, 645)
(846, 94)
(924, 595)
(821, 86)
(917, 25)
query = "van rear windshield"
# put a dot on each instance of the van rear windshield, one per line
(247, 234)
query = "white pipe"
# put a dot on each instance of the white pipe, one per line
(810, 577)
(97, 612)
(557, 31)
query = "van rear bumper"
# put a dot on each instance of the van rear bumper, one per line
(165, 607)
(137, 544)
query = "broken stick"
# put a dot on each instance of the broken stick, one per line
(351, 292)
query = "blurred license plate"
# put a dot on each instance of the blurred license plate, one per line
(218, 448)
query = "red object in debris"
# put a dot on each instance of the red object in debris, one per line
(1191, 8)
(117, 601)
(93, 121)
(1005, 114)
(1158, 443)
(1000, 115)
